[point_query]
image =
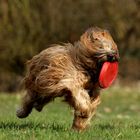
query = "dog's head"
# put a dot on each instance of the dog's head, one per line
(100, 45)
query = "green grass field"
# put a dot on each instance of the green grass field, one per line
(117, 118)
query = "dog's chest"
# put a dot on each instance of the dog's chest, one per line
(91, 86)
(84, 81)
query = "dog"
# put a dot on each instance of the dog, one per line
(72, 72)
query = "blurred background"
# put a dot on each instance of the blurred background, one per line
(29, 26)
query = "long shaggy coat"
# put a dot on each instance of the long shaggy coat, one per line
(70, 71)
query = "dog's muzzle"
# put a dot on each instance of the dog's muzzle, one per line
(102, 57)
(111, 57)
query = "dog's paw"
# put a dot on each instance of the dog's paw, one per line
(83, 113)
(21, 113)
(38, 107)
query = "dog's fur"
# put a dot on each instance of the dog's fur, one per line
(70, 71)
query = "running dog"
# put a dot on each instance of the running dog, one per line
(72, 72)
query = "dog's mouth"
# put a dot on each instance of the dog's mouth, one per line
(110, 57)
(106, 57)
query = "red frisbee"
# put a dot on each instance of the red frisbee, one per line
(108, 74)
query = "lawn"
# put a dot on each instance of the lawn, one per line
(117, 118)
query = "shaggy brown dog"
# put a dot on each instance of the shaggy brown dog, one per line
(71, 71)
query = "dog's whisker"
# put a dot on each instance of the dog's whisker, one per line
(99, 55)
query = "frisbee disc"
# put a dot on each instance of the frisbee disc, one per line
(108, 74)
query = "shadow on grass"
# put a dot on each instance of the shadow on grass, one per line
(106, 126)
(47, 126)
(32, 125)
(55, 126)
(113, 126)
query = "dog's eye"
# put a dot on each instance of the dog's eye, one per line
(100, 47)
(93, 39)
(103, 33)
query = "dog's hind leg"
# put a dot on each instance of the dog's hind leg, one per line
(27, 105)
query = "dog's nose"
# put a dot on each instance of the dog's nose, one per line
(111, 57)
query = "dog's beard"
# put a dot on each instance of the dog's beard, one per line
(107, 56)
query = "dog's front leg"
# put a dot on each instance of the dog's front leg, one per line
(82, 105)
(95, 101)
(85, 108)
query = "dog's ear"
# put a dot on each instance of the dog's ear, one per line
(87, 38)
(91, 36)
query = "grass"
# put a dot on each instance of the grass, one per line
(117, 118)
